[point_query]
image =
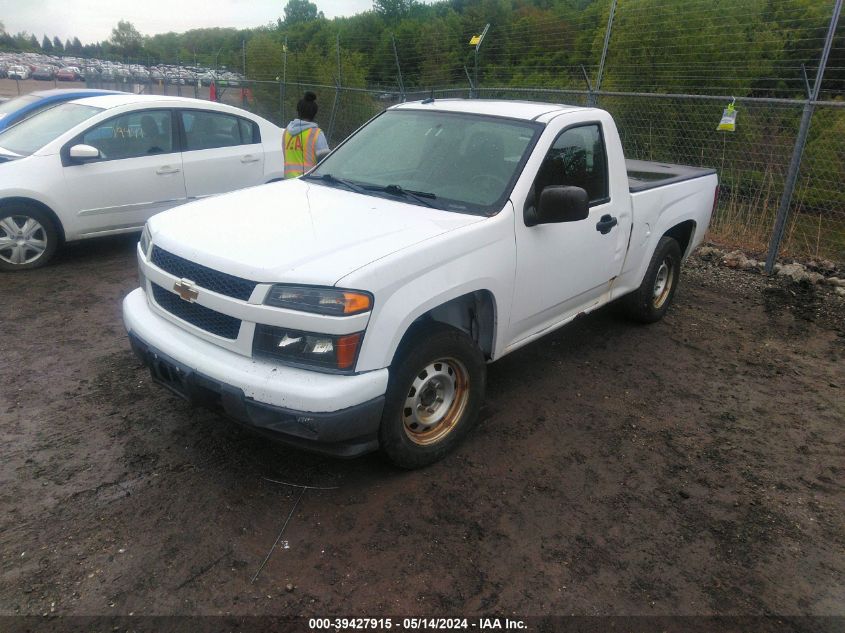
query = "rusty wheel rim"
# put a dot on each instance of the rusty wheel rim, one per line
(663, 283)
(435, 401)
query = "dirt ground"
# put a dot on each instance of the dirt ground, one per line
(696, 466)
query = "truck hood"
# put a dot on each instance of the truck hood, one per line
(295, 231)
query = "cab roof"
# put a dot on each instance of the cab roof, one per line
(526, 110)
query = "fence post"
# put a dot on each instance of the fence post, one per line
(474, 83)
(398, 68)
(800, 143)
(336, 93)
(244, 84)
(283, 85)
(591, 99)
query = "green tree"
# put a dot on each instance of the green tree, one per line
(126, 39)
(46, 45)
(58, 47)
(299, 11)
(393, 10)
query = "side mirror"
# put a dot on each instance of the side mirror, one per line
(83, 153)
(560, 204)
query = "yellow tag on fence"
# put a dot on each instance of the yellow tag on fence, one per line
(728, 122)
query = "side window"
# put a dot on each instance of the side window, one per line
(207, 130)
(249, 132)
(578, 159)
(142, 133)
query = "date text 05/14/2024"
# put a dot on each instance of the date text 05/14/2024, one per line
(416, 624)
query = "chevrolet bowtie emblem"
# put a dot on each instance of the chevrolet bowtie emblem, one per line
(186, 289)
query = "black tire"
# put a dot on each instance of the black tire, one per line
(649, 302)
(38, 244)
(441, 370)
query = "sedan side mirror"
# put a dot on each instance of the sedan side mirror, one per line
(83, 153)
(560, 204)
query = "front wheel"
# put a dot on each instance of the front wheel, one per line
(28, 237)
(649, 302)
(433, 397)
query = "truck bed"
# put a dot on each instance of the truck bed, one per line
(644, 174)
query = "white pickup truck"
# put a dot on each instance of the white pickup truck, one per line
(355, 308)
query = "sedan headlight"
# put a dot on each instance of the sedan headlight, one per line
(330, 301)
(323, 351)
(145, 241)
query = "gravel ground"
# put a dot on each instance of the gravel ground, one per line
(696, 466)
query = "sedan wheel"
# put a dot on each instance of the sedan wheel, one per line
(27, 239)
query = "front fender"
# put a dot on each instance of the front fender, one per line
(411, 282)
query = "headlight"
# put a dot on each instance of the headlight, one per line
(325, 351)
(145, 241)
(331, 301)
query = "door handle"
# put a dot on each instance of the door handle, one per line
(605, 224)
(249, 158)
(167, 169)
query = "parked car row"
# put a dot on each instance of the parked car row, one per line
(102, 165)
(53, 68)
(175, 75)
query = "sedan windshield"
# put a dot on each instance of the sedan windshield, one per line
(34, 133)
(455, 162)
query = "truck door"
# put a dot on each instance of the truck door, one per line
(565, 268)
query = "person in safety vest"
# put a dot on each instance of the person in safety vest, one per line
(304, 142)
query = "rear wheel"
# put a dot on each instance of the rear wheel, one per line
(28, 237)
(652, 299)
(435, 390)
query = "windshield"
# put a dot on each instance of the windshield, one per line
(34, 133)
(456, 162)
(17, 104)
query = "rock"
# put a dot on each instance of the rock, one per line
(750, 264)
(815, 278)
(683, 494)
(709, 253)
(289, 588)
(796, 272)
(827, 266)
(836, 281)
(735, 259)
(840, 290)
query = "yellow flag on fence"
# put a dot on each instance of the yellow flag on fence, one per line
(474, 40)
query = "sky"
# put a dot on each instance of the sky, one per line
(92, 20)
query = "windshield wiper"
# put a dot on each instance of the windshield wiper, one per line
(332, 180)
(396, 190)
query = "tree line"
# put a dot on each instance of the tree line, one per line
(749, 48)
